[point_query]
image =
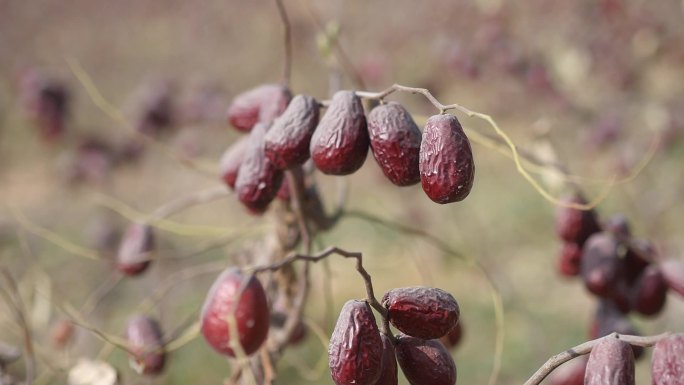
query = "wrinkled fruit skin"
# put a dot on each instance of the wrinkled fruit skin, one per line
(570, 373)
(452, 339)
(395, 140)
(258, 179)
(601, 265)
(261, 104)
(288, 140)
(231, 161)
(421, 312)
(611, 362)
(667, 362)
(673, 271)
(145, 339)
(649, 293)
(425, 361)
(339, 145)
(389, 373)
(356, 350)
(251, 313)
(570, 259)
(574, 225)
(447, 168)
(135, 250)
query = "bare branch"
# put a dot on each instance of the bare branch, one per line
(287, 43)
(370, 295)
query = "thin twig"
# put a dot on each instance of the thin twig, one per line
(443, 108)
(370, 295)
(552, 363)
(193, 199)
(287, 43)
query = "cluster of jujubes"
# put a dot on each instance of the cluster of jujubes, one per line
(624, 273)
(360, 354)
(285, 132)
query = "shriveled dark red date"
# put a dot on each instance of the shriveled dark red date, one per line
(388, 375)
(638, 256)
(611, 362)
(573, 225)
(601, 266)
(135, 249)
(619, 226)
(235, 295)
(145, 341)
(425, 361)
(356, 350)
(667, 362)
(339, 145)
(452, 339)
(570, 373)
(258, 179)
(395, 141)
(673, 271)
(287, 142)
(422, 312)
(609, 318)
(570, 259)
(649, 293)
(231, 161)
(260, 104)
(447, 167)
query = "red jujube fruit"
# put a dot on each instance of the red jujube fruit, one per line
(235, 295)
(395, 141)
(339, 145)
(447, 168)
(356, 350)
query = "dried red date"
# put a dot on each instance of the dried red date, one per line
(261, 104)
(422, 312)
(425, 361)
(609, 318)
(287, 142)
(611, 361)
(258, 180)
(356, 350)
(135, 250)
(388, 375)
(339, 145)
(447, 168)
(570, 259)
(649, 293)
(145, 341)
(231, 161)
(601, 266)
(395, 140)
(667, 362)
(453, 338)
(243, 297)
(573, 225)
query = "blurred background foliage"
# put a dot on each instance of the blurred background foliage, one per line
(587, 83)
